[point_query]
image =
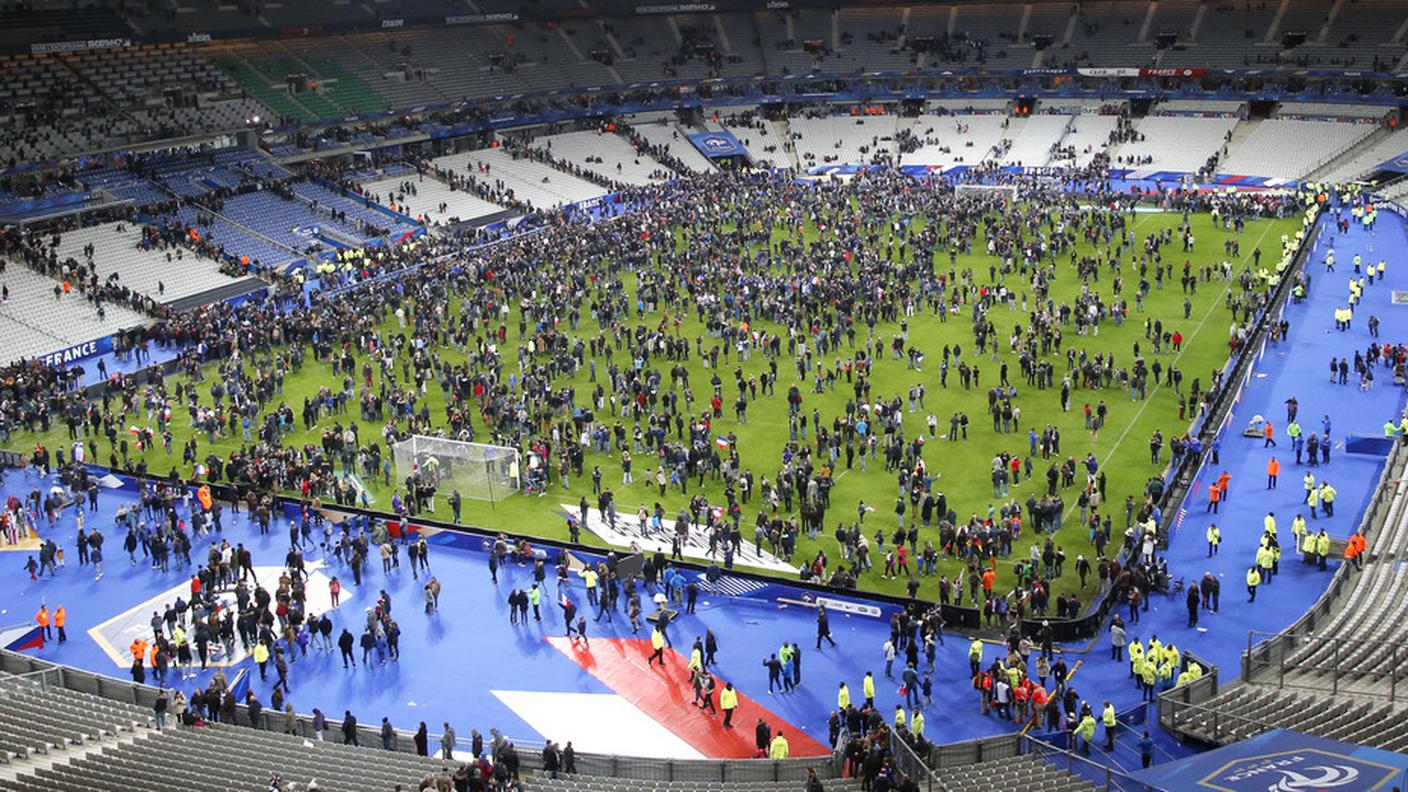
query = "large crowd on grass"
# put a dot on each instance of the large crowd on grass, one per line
(820, 280)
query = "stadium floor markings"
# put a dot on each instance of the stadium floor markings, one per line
(603, 723)
(665, 694)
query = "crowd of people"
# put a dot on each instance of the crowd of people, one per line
(803, 304)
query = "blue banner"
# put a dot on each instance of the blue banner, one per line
(1397, 164)
(78, 352)
(1282, 761)
(715, 145)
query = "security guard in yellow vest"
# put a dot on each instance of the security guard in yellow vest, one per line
(1108, 716)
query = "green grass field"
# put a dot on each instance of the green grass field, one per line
(1122, 446)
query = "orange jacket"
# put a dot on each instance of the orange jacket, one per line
(60, 616)
(1214, 493)
(42, 616)
(1273, 468)
(1355, 546)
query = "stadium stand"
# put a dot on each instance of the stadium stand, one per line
(843, 140)
(954, 139)
(1331, 110)
(1227, 107)
(540, 185)
(403, 166)
(1087, 137)
(42, 718)
(1289, 148)
(232, 240)
(1026, 772)
(1361, 160)
(584, 784)
(766, 140)
(673, 138)
(119, 253)
(43, 318)
(1033, 139)
(608, 155)
(1174, 143)
(429, 195)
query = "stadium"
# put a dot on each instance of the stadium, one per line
(950, 352)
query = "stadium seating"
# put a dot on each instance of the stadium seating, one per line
(1175, 143)
(1227, 107)
(1363, 158)
(38, 718)
(541, 185)
(619, 159)
(1248, 710)
(1026, 773)
(673, 138)
(1032, 139)
(1289, 148)
(367, 219)
(954, 139)
(1332, 110)
(120, 253)
(1087, 136)
(765, 140)
(843, 140)
(235, 241)
(289, 223)
(590, 784)
(430, 193)
(40, 322)
(218, 757)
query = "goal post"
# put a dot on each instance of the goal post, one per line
(477, 471)
(1007, 193)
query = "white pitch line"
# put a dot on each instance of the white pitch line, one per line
(1188, 344)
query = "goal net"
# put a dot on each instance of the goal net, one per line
(1007, 193)
(477, 471)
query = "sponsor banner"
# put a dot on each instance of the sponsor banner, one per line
(480, 19)
(78, 352)
(778, 5)
(1397, 164)
(199, 38)
(675, 8)
(1106, 72)
(716, 145)
(1029, 72)
(1281, 761)
(847, 606)
(301, 30)
(393, 23)
(79, 46)
(1173, 72)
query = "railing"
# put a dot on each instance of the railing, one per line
(985, 749)
(1210, 724)
(909, 763)
(1277, 653)
(1274, 652)
(1098, 774)
(1197, 692)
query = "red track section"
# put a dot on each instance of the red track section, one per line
(664, 693)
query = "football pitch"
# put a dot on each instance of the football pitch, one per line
(963, 467)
